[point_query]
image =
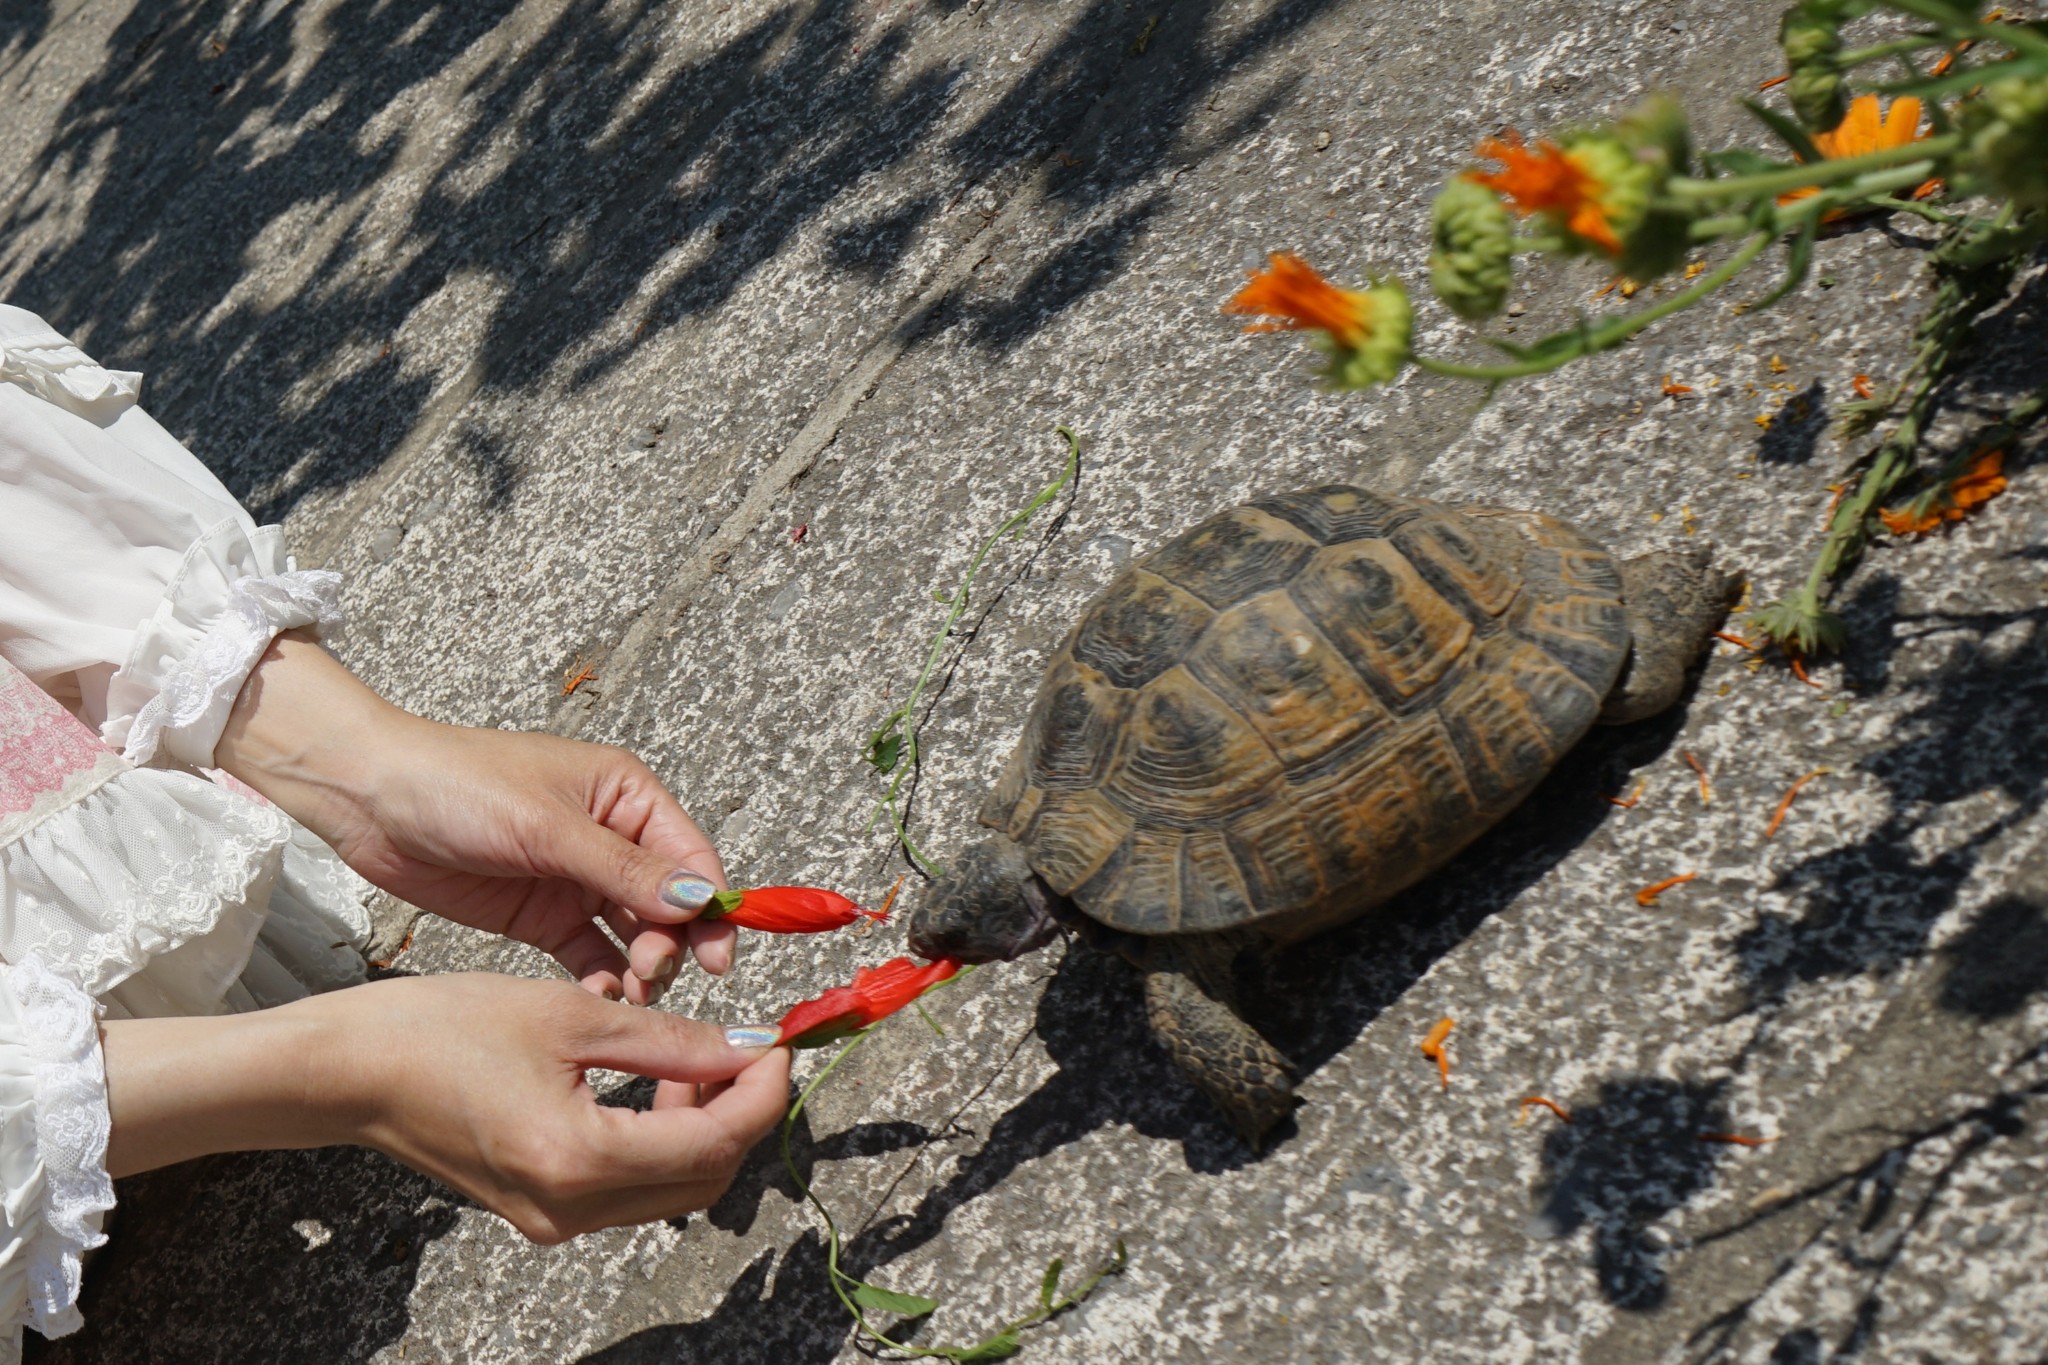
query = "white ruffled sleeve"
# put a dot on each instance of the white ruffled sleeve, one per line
(53, 1148)
(133, 587)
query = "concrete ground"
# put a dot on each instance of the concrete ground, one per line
(551, 323)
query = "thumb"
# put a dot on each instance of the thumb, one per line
(657, 888)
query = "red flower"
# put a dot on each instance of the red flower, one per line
(876, 993)
(787, 909)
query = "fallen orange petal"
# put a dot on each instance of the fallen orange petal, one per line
(1706, 787)
(1738, 1139)
(1629, 804)
(1552, 1105)
(1433, 1048)
(1648, 895)
(1778, 817)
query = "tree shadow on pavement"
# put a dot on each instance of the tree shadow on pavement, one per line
(308, 1255)
(590, 178)
(1870, 904)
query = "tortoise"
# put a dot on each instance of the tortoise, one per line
(1280, 718)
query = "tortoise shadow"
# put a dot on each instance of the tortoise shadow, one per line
(1315, 998)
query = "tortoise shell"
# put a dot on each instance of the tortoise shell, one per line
(1305, 704)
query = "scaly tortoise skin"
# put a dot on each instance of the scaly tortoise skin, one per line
(1290, 713)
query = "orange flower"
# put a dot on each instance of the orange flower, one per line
(1548, 180)
(876, 993)
(1980, 483)
(787, 909)
(1290, 289)
(1862, 131)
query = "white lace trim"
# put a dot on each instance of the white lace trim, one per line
(204, 684)
(62, 1035)
(150, 862)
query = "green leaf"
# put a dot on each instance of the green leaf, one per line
(1051, 1285)
(942, 598)
(884, 750)
(1001, 1346)
(1798, 260)
(1788, 131)
(889, 1301)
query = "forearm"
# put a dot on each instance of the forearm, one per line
(184, 1088)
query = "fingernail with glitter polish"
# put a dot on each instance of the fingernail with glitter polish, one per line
(753, 1036)
(687, 891)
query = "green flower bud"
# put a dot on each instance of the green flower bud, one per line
(1816, 94)
(1810, 36)
(1473, 263)
(1382, 351)
(2005, 147)
(1626, 183)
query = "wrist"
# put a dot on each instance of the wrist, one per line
(184, 1088)
(313, 738)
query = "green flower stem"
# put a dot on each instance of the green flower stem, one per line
(1918, 210)
(1612, 332)
(1723, 225)
(1534, 246)
(1897, 47)
(1830, 172)
(2016, 36)
(839, 1279)
(901, 722)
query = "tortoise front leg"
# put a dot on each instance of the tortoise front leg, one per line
(1191, 1003)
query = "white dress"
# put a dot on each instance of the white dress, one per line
(136, 595)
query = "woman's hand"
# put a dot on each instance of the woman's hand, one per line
(530, 836)
(476, 1080)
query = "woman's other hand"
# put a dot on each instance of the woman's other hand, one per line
(532, 836)
(477, 1080)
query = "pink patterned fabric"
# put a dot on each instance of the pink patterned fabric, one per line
(48, 759)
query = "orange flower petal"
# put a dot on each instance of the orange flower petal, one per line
(1291, 290)
(1546, 180)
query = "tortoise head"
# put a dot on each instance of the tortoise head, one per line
(989, 908)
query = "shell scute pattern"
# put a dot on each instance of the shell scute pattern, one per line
(1214, 894)
(1139, 628)
(1187, 759)
(1273, 666)
(1303, 705)
(1396, 631)
(1500, 721)
(1338, 512)
(1233, 557)
(1452, 560)
(1070, 835)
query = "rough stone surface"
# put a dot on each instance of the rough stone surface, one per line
(550, 322)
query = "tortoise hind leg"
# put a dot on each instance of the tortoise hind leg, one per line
(1676, 600)
(1192, 1007)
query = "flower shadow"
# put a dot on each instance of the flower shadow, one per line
(1624, 1161)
